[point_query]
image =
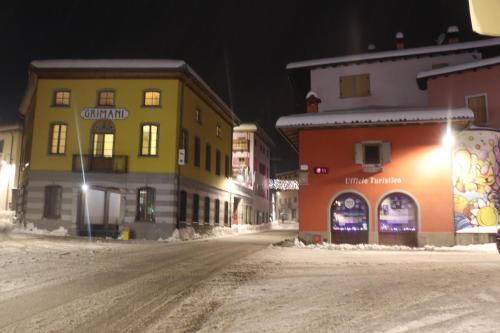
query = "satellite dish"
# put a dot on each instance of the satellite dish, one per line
(440, 39)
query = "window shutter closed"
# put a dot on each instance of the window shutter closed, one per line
(386, 152)
(358, 153)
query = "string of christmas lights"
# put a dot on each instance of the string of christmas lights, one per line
(283, 184)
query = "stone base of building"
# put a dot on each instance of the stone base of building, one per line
(424, 238)
(471, 238)
(148, 230)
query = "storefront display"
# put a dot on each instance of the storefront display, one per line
(397, 213)
(349, 212)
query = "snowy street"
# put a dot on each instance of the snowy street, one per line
(241, 284)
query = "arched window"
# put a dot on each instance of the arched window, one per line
(349, 212)
(397, 212)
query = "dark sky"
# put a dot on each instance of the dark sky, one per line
(249, 42)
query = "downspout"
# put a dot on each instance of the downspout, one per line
(178, 167)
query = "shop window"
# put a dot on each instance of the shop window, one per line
(62, 97)
(197, 152)
(208, 157)
(183, 206)
(146, 204)
(216, 211)
(105, 98)
(52, 202)
(151, 98)
(206, 211)
(349, 213)
(397, 212)
(196, 207)
(58, 139)
(478, 106)
(217, 162)
(149, 140)
(354, 86)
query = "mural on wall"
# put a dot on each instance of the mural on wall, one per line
(476, 181)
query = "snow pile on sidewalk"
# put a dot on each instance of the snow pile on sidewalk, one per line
(6, 222)
(489, 247)
(31, 229)
(189, 233)
(182, 234)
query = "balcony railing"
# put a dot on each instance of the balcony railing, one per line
(115, 164)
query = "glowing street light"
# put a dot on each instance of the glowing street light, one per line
(85, 187)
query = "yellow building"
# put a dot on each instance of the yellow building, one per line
(109, 144)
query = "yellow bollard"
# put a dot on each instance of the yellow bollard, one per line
(125, 234)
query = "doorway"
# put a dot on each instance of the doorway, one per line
(100, 211)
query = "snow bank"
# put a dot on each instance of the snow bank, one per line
(31, 229)
(6, 222)
(489, 247)
(189, 233)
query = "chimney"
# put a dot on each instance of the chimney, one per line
(452, 34)
(312, 101)
(400, 41)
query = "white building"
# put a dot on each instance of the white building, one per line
(10, 152)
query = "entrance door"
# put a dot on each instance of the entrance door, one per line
(100, 211)
(349, 219)
(397, 220)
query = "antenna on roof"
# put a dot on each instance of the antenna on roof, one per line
(440, 39)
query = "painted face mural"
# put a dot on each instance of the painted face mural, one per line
(476, 181)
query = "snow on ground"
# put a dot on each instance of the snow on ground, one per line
(488, 247)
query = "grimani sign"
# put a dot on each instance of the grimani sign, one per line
(104, 113)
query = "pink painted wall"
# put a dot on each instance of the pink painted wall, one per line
(450, 91)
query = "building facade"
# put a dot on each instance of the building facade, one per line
(287, 196)
(370, 146)
(141, 144)
(10, 152)
(251, 168)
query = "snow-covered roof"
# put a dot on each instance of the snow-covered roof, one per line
(108, 64)
(423, 76)
(413, 52)
(373, 116)
(130, 64)
(254, 127)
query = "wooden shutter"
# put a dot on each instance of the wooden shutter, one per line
(386, 152)
(358, 153)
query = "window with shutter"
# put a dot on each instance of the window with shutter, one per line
(478, 106)
(354, 86)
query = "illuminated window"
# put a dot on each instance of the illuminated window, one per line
(146, 204)
(103, 144)
(58, 139)
(152, 98)
(52, 203)
(355, 86)
(397, 212)
(197, 115)
(62, 98)
(149, 140)
(478, 106)
(218, 131)
(349, 213)
(106, 98)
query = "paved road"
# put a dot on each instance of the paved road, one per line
(112, 290)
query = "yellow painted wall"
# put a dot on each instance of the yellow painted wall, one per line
(206, 130)
(128, 95)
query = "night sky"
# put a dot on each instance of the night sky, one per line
(240, 47)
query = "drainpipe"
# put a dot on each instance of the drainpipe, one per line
(178, 167)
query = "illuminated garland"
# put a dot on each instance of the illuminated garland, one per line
(283, 185)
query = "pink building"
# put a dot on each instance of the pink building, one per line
(473, 85)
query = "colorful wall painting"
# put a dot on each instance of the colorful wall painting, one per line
(476, 181)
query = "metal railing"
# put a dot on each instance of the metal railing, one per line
(115, 164)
